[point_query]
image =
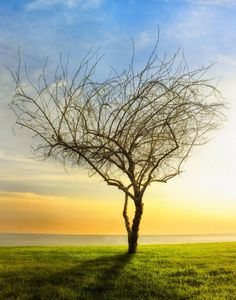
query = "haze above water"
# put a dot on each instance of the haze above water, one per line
(26, 239)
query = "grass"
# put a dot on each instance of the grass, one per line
(193, 271)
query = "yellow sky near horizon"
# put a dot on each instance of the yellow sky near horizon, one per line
(164, 213)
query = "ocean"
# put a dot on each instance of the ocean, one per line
(29, 239)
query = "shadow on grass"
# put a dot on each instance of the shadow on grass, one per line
(92, 279)
(111, 276)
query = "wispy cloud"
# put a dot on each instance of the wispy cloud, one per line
(204, 29)
(45, 4)
(30, 212)
(143, 40)
(195, 23)
(91, 4)
(227, 60)
(226, 3)
(4, 156)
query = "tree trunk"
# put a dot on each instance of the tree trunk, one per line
(133, 234)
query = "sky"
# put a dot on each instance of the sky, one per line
(44, 197)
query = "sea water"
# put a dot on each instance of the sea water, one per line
(29, 239)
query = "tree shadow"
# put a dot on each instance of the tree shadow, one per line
(111, 276)
(91, 279)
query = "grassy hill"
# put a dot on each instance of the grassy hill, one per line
(193, 271)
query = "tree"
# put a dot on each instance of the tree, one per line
(132, 129)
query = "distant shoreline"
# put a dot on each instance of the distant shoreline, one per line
(32, 239)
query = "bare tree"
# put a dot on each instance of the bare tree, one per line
(132, 129)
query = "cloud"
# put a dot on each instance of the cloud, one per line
(45, 4)
(91, 4)
(143, 40)
(30, 212)
(4, 156)
(192, 25)
(226, 3)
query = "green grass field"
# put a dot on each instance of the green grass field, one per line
(193, 271)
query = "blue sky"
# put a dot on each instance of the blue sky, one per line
(204, 29)
(46, 27)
